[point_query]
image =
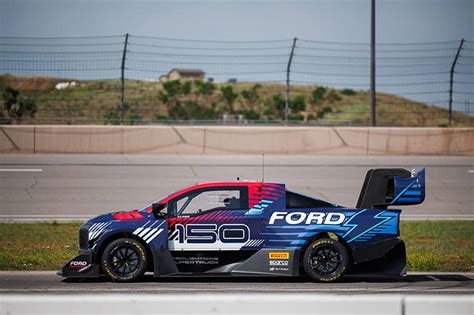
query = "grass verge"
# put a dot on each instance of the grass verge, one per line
(431, 245)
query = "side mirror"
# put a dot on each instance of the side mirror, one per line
(156, 208)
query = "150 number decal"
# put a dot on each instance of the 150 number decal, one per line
(211, 233)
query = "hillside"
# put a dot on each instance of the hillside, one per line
(98, 101)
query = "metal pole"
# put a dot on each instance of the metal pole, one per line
(287, 96)
(122, 79)
(451, 79)
(373, 100)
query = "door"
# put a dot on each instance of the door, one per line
(207, 228)
(210, 219)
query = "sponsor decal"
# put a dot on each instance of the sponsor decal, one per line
(77, 264)
(196, 260)
(278, 255)
(278, 262)
(278, 269)
(332, 218)
(211, 233)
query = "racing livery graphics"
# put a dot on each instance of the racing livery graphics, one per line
(253, 228)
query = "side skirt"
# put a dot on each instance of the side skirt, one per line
(262, 262)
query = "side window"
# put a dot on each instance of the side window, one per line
(297, 201)
(208, 200)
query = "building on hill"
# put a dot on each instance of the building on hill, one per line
(183, 75)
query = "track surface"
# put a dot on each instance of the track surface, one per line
(80, 186)
(47, 282)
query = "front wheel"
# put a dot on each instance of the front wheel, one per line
(325, 260)
(124, 260)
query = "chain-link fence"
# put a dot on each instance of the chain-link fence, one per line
(143, 80)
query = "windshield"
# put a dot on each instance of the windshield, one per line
(159, 200)
(151, 204)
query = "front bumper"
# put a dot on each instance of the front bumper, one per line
(81, 266)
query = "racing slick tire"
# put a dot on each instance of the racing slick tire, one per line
(325, 260)
(124, 260)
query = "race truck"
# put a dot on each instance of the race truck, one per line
(246, 228)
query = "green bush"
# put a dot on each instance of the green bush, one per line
(159, 117)
(295, 117)
(191, 110)
(172, 88)
(251, 95)
(112, 118)
(186, 88)
(250, 114)
(204, 88)
(348, 92)
(278, 102)
(318, 94)
(332, 96)
(228, 96)
(327, 109)
(16, 105)
(133, 119)
(297, 104)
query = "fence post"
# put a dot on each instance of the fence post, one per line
(373, 96)
(287, 96)
(122, 79)
(451, 79)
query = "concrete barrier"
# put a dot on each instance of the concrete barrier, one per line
(236, 140)
(236, 304)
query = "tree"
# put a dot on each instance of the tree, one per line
(333, 96)
(186, 88)
(16, 105)
(172, 88)
(318, 95)
(278, 102)
(297, 104)
(204, 88)
(251, 96)
(10, 97)
(229, 96)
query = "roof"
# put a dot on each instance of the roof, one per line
(188, 71)
(215, 184)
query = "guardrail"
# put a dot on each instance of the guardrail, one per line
(236, 304)
(236, 140)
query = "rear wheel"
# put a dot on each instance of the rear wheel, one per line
(124, 260)
(326, 260)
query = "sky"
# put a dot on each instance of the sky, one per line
(335, 20)
(418, 73)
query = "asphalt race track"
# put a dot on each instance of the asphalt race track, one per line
(68, 187)
(47, 282)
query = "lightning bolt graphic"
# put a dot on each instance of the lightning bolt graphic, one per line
(360, 228)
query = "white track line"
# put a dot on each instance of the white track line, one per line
(21, 170)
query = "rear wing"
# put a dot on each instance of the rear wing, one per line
(384, 187)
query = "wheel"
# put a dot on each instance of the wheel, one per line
(124, 260)
(325, 260)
